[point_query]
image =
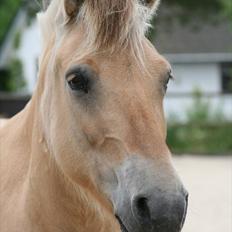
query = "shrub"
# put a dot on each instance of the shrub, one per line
(11, 78)
(17, 40)
(205, 131)
(200, 138)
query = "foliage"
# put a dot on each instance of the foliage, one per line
(205, 131)
(227, 8)
(201, 112)
(32, 9)
(17, 40)
(8, 9)
(12, 79)
(200, 138)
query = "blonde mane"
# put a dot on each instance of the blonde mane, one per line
(109, 24)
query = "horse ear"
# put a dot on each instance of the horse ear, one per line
(72, 7)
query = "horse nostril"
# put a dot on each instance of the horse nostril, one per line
(185, 210)
(141, 209)
(186, 198)
(160, 214)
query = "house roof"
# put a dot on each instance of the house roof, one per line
(194, 39)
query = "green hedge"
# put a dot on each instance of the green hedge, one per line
(8, 10)
(200, 138)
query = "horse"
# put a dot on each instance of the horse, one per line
(2, 122)
(88, 153)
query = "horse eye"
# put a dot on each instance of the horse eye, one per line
(78, 81)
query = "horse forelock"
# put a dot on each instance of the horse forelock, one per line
(109, 24)
(114, 23)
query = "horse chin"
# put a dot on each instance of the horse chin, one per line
(124, 229)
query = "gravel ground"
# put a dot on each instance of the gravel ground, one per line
(209, 182)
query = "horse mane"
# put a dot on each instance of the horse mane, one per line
(109, 24)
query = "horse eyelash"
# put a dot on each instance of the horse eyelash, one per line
(171, 76)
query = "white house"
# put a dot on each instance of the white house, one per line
(29, 53)
(201, 57)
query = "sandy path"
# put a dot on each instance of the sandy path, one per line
(209, 182)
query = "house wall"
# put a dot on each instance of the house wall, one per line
(29, 53)
(205, 77)
(189, 77)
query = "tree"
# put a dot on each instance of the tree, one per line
(8, 10)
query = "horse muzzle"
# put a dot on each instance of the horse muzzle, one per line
(149, 199)
(158, 216)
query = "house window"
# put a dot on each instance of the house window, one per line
(226, 77)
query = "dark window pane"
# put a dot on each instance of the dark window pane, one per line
(226, 77)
